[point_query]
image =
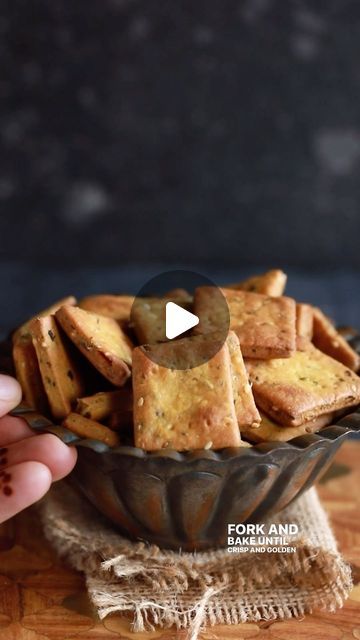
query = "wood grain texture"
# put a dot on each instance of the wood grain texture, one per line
(43, 599)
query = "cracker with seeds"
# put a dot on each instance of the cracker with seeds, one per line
(24, 329)
(112, 306)
(85, 428)
(100, 405)
(245, 408)
(270, 431)
(328, 340)
(60, 375)
(304, 320)
(101, 340)
(298, 389)
(28, 374)
(184, 409)
(148, 318)
(264, 325)
(271, 283)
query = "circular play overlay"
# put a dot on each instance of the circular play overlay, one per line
(181, 319)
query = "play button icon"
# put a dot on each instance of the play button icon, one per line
(178, 320)
(165, 324)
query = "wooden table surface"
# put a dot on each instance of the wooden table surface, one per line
(42, 599)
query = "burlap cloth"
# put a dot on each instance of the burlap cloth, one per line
(164, 588)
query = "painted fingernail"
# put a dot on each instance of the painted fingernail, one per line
(9, 388)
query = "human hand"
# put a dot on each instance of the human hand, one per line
(28, 463)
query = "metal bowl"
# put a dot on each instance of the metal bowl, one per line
(185, 500)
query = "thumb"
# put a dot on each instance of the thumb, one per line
(10, 394)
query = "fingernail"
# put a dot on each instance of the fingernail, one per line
(9, 388)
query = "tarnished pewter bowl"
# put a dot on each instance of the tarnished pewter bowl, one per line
(185, 500)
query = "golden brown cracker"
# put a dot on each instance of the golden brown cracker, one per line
(264, 325)
(60, 375)
(148, 318)
(85, 428)
(101, 340)
(184, 409)
(304, 320)
(28, 374)
(245, 408)
(298, 389)
(271, 283)
(100, 405)
(117, 307)
(328, 340)
(270, 431)
(24, 330)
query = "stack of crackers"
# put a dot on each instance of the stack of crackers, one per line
(282, 370)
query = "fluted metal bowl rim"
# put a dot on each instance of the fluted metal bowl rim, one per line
(338, 430)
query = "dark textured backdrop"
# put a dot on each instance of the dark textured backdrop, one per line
(136, 136)
(221, 132)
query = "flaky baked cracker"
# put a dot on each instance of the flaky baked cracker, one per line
(100, 405)
(245, 408)
(101, 340)
(184, 409)
(271, 283)
(85, 428)
(328, 340)
(304, 320)
(60, 375)
(28, 374)
(24, 330)
(111, 306)
(148, 317)
(298, 389)
(264, 325)
(270, 431)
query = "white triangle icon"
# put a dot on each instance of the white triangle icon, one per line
(178, 320)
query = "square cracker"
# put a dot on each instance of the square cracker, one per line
(298, 389)
(85, 428)
(328, 340)
(184, 409)
(271, 283)
(149, 315)
(148, 320)
(101, 340)
(304, 320)
(245, 408)
(100, 405)
(264, 325)
(61, 378)
(28, 374)
(111, 306)
(24, 329)
(270, 431)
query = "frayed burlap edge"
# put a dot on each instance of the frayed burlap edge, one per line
(189, 590)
